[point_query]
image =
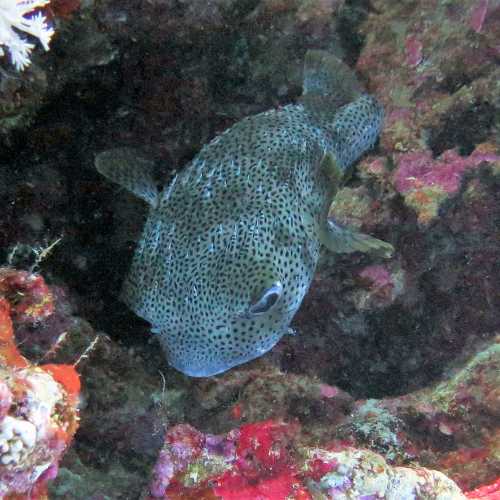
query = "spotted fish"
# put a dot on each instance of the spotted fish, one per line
(231, 244)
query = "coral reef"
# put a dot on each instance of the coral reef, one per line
(265, 460)
(77, 46)
(398, 357)
(490, 491)
(38, 403)
(127, 405)
(426, 183)
(431, 190)
(451, 426)
(123, 407)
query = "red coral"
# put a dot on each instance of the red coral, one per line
(318, 468)
(237, 411)
(8, 349)
(488, 492)
(64, 8)
(265, 442)
(266, 463)
(263, 466)
(28, 294)
(27, 298)
(232, 486)
(67, 376)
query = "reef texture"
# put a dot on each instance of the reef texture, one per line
(126, 405)
(120, 411)
(396, 356)
(38, 403)
(489, 492)
(264, 461)
(451, 426)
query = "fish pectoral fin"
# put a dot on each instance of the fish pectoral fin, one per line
(342, 240)
(129, 169)
(330, 168)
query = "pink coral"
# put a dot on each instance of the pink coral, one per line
(378, 275)
(425, 182)
(413, 48)
(380, 286)
(478, 15)
(185, 445)
(419, 169)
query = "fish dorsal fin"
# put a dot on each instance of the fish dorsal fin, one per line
(326, 75)
(127, 168)
(339, 239)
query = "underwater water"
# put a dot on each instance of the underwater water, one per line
(306, 307)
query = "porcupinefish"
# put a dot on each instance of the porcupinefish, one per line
(231, 244)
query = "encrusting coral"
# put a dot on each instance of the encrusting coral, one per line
(264, 460)
(38, 404)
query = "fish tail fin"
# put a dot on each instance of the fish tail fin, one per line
(326, 75)
(131, 171)
(335, 100)
(356, 127)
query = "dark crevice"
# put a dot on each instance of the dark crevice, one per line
(348, 28)
(453, 81)
(63, 138)
(464, 129)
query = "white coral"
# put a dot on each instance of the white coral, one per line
(17, 437)
(14, 20)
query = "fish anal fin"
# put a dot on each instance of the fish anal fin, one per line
(126, 167)
(339, 239)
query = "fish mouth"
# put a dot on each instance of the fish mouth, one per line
(203, 361)
(214, 368)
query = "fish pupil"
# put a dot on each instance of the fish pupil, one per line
(268, 299)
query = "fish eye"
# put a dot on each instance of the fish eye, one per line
(268, 299)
